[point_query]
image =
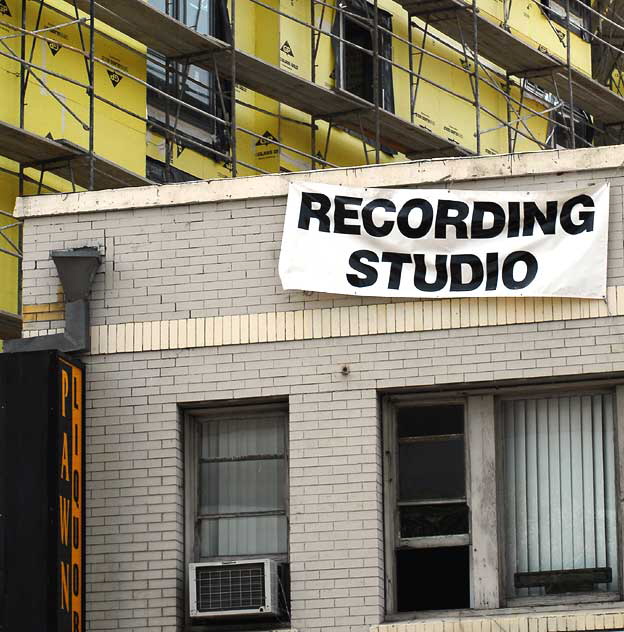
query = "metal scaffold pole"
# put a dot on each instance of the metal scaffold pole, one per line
(509, 110)
(313, 80)
(569, 69)
(91, 95)
(167, 130)
(375, 41)
(233, 92)
(475, 52)
(22, 89)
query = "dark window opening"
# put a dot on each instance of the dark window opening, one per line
(431, 468)
(421, 521)
(433, 579)
(432, 568)
(195, 86)
(431, 420)
(158, 171)
(580, 16)
(583, 129)
(431, 454)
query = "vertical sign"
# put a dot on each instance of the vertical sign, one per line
(70, 455)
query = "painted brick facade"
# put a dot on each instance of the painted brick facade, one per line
(219, 259)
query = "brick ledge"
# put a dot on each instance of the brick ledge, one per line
(603, 618)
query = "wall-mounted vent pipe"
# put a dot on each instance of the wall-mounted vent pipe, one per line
(76, 269)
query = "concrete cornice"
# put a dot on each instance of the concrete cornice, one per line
(403, 174)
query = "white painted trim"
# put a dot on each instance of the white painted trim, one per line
(336, 322)
(403, 174)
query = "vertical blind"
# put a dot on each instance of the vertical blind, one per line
(559, 483)
(242, 505)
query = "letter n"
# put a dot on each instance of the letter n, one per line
(65, 586)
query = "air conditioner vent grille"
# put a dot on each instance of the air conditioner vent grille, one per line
(230, 587)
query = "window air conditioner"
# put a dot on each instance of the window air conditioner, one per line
(227, 589)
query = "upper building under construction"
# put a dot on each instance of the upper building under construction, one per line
(112, 93)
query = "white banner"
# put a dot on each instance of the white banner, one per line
(439, 243)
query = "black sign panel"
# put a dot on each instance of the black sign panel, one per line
(41, 492)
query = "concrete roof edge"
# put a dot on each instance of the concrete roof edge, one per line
(276, 185)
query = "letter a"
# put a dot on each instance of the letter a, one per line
(65, 459)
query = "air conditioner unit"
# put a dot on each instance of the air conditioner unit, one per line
(227, 589)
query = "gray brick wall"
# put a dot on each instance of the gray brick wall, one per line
(219, 259)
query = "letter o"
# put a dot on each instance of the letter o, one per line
(75, 580)
(508, 269)
(426, 220)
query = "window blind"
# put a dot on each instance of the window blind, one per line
(559, 483)
(242, 495)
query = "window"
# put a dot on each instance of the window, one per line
(354, 67)
(559, 488)
(522, 487)
(580, 17)
(194, 85)
(241, 484)
(236, 490)
(431, 515)
(583, 128)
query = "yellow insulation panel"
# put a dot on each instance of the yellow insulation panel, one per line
(60, 108)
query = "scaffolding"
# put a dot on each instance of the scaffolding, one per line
(490, 50)
(10, 245)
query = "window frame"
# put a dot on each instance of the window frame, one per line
(353, 14)
(207, 132)
(484, 443)
(392, 527)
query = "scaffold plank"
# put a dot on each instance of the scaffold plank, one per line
(455, 19)
(25, 147)
(399, 134)
(152, 27)
(108, 174)
(284, 86)
(63, 159)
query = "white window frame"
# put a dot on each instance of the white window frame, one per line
(484, 436)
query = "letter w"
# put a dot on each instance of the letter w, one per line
(64, 520)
